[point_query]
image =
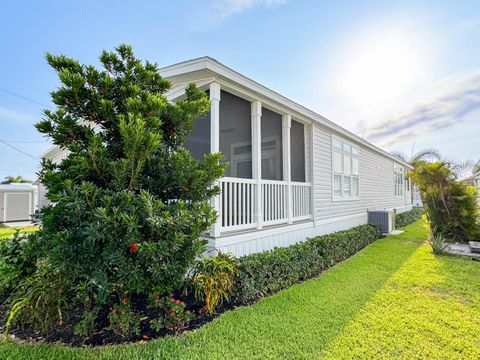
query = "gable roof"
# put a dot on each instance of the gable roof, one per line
(17, 187)
(202, 68)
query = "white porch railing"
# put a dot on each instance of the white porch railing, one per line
(238, 206)
(302, 201)
(274, 202)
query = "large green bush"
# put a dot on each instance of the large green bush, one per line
(265, 273)
(450, 205)
(408, 217)
(129, 202)
(18, 260)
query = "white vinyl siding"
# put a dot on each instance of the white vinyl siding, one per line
(345, 170)
(375, 184)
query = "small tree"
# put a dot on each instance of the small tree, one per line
(130, 202)
(450, 206)
(425, 155)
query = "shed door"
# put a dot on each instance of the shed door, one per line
(17, 206)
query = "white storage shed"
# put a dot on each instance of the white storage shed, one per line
(18, 201)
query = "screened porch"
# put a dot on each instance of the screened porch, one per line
(267, 179)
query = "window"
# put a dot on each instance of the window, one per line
(354, 186)
(398, 180)
(345, 170)
(337, 185)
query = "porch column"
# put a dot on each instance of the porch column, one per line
(215, 146)
(286, 125)
(257, 159)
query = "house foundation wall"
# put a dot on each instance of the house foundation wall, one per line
(282, 236)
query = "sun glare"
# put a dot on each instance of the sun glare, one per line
(382, 69)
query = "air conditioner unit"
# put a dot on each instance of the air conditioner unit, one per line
(383, 217)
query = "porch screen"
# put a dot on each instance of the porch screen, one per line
(272, 166)
(236, 135)
(297, 151)
(198, 142)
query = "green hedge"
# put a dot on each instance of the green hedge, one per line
(408, 217)
(262, 274)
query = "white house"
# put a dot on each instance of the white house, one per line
(292, 174)
(474, 180)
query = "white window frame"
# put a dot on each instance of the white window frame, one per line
(353, 148)
(398, 181)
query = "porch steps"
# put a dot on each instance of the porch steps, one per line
(474, 246)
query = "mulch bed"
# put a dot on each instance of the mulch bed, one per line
(65, 333)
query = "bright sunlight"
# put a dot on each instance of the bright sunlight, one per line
(382, 68)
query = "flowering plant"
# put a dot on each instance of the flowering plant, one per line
(133, 248)
(123, 320)
(174, 315)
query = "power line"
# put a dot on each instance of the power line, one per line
(24, 142)
(19, 150)
(23, 97)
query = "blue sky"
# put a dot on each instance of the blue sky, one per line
(402, 74)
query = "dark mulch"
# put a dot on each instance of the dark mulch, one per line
(65, 333)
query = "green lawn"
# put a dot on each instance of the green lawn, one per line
(392, 300)
(8, 231)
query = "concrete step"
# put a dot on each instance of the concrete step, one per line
(474, 246)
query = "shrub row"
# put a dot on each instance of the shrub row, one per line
(262, 274)
(408, 217)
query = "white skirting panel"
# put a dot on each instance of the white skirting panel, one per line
(282, 236)
(404, 209)
(332, 225)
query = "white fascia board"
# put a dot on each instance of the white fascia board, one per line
(218, 68)
(52, 150)
(185, 67)
(178, 90)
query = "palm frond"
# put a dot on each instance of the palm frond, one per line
(426, 155)
(400, 155)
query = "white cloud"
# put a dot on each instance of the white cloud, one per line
(221, 10)
(12, 116)
(455, 98)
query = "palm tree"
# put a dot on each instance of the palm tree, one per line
(428, 154)
(15, 179)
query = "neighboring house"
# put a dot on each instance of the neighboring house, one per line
(18, 202)
(417, 199)
(55, 154)
(474, 180)
(292, 174)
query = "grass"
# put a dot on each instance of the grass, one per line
(6, 232)
(394, 299)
